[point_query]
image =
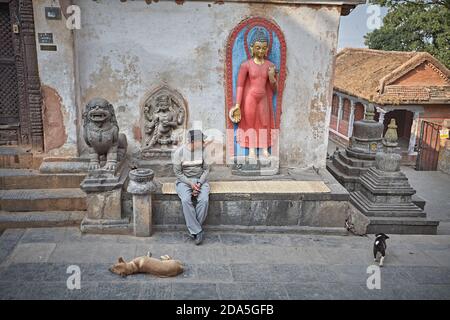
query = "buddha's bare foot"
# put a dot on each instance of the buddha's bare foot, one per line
(252, 154)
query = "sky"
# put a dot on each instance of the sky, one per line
(354, 26)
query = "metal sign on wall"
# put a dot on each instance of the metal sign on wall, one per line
(45, 38)
(53, 13)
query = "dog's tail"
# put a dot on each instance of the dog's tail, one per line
(149, 254)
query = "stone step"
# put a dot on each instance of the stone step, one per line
(391, 225)
(345, 168)
(33, 179)
(15, 157)
(386, 186)
(260, 229)
(40, 219)
(42, 200)
(349, 169)
(418, 201)
(369, 209)
(349, 182)
(354, 162)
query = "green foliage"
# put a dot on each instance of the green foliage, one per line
(414, 25)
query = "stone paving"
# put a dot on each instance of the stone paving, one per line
(33, 265)
(434, 188)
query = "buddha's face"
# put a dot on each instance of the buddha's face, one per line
(260, 49)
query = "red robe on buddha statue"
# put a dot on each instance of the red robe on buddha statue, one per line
(255, 94)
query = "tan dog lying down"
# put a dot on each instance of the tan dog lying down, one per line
(166, 267)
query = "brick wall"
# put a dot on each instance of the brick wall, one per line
(343, 124)
(436, 113)
(359, 111)
(420, 75)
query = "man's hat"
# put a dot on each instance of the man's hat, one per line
(196, 135)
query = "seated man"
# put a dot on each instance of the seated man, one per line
(192, 172)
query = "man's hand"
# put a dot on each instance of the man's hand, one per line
(196, 188)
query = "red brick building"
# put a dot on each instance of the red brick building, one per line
(407, 86)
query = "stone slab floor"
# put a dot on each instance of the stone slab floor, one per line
(33, 265)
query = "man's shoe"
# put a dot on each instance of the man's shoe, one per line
(192, 236)
(199, 238)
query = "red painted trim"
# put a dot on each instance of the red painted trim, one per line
(270, 26)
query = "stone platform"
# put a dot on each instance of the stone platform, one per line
(259, 187)
(304, 202)
(347, 170)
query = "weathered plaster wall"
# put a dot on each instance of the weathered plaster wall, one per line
(56, 71)
(126, 49)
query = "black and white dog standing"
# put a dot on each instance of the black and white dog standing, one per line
(379, 246)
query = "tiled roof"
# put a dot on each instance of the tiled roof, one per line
(369, 74)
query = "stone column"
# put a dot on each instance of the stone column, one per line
(412, 138)
(382, 113)
(340, 109)
(351, 119)
(141, 185)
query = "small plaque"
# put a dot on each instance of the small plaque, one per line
(48, 48)
(53, 13)
(45, 38)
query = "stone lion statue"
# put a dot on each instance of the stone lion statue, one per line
(101, 134)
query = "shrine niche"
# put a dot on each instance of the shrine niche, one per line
(255, 77)
(164, 121)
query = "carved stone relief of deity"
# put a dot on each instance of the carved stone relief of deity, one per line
(164, 120)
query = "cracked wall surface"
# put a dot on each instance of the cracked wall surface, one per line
(125, 50)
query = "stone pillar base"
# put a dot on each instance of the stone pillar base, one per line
(106, 226)
(104, 201)
(142, 215)
(141, 185)
(104, 204)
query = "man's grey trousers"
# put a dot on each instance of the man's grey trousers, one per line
(194, 216)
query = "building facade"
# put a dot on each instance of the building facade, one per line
(123, 50)
(408, 86)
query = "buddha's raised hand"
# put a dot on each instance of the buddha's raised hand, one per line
(272, 73)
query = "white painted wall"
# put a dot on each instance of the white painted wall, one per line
(56, 70)
(124, 50)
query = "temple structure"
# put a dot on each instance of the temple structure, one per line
(385, 195)
(110, 88)
(412, 87)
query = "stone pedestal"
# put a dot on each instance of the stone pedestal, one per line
(244, 166)
(141, 186)
(359, 156)
(104, 195)
(385, 195)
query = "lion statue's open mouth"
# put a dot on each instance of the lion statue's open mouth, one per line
(99, 115)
